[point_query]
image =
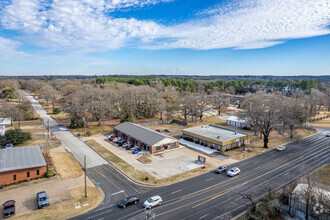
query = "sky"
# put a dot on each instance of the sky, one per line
(181, 37)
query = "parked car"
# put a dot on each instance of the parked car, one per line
(126, 144)
(167, 130)
(8, 209)
(9, 145)
(233, 171)
(136, 150)
(327, 134)
(42, 200)
(120, 142)
(153, 201)
(128, 201)
(280, 148)
(129, 147)
(112, 138)
(116, 139)
(221, 169)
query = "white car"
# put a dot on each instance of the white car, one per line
(116, 139)
(233, 171)
(153, 201)
(280, 148)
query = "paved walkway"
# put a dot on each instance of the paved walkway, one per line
(70, 142)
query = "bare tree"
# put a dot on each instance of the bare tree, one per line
(263, 111)
(220, 100)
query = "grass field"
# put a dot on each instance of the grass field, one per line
(139, 176)
(65, 210)
(66, 165)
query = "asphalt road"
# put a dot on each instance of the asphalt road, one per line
(70, 142)
(211, 196)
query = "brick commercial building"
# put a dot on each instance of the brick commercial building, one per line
(220, 138)
(145, 138)
(21, 163)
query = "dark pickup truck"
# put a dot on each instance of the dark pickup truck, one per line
(9, 209)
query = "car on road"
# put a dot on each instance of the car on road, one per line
(221, 169)
(153, 201)
(280, 148)
(233, 171)
(327, 134)
(128, 201)
(42, 200)
(8, 209)
(136, 150)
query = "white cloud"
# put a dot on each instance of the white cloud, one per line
(8, 48)
(88, 25)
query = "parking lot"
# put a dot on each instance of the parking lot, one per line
(163, 164)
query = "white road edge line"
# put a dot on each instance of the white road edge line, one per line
(203, 216)
(177, 191)
(117, 193)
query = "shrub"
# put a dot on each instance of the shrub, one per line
(50, 173)
(77, 123)
(15, 136)
(56, 110)
(88, 133)
(212, 147)
(146, 178)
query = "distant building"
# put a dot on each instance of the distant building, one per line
(145, 138)
(237, 122)
(3, 123)
(220, 138)
(21, 163)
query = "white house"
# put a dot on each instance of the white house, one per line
(237, 122)
(3, 122)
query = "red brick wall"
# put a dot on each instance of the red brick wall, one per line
(8, 177)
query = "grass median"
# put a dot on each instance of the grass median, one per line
(143, 177)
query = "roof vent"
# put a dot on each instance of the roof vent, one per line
(218, 137)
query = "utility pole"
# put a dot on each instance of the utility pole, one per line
(85, 170)
(48, 128)
(84, 125)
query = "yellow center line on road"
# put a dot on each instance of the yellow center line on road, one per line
(263, 165)
(214, 197)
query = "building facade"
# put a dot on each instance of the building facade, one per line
(145, 138)
(20, 164)
(219, 138)
(237, 122)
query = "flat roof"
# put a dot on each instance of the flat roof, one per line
(5, 121)
(236, 119)
(143, 134)
(18, 158)
(216, 133)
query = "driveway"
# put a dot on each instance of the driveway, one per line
(70, 142)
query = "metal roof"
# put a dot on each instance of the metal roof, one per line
(216, 132)
(236, 119)
(143, 134)
(5, 121)
(18, 158)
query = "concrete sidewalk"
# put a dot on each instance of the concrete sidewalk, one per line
(70, 142)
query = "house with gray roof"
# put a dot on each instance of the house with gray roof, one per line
(145, 138)
(21, 163)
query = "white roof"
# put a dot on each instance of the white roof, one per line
(18, 158)
(236, 119)
(5, 121)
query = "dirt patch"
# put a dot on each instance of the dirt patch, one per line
(144, 177)
(145, 159)
(67, 209)
(66, 165)
(325, 123)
